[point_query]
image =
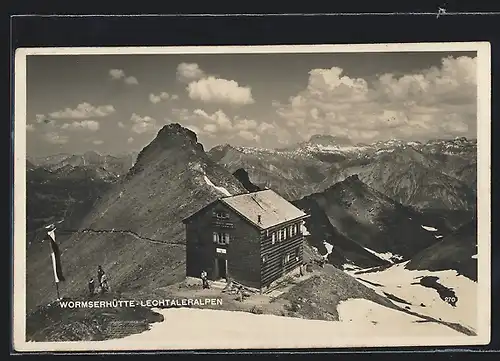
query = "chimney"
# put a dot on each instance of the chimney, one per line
(259, 218)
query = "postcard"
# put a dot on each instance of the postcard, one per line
(252, 197)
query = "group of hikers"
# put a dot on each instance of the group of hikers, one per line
(102, 280)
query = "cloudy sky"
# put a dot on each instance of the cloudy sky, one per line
(117, 103)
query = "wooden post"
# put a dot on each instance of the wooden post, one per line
(57, 290)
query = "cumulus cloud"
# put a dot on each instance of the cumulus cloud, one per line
(187, 72)
(143, 124)
(210, 128)
(219, 119)
(174, 97)
(245, 134)
(246, 124)
(130, 140)
(121, 125)
(44, 120)
(211, 88)
(116, 73)
(119, 74)
(30, 127)
(40, 118)
(91, 125)
(82, 111)
(265, 127)
(97, 142)
(220, 124)
(427, 103)
(194, 128)
(217, 90)
(153, 98)
(55, 138)
(132, 80)
(182, 114)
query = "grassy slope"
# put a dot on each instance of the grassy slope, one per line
(319, 296)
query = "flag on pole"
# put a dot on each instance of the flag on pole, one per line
(55, 254)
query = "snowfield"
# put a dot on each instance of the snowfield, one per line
(220, 189)
(362, 322)
(387, 256)
(350, 267)
(329, 248)
(304, 230)
(430, 229)
(397, 281)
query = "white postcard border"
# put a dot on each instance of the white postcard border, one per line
(483, 196)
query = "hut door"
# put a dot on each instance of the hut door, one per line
(221, 267)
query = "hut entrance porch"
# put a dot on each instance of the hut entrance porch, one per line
(220, 267)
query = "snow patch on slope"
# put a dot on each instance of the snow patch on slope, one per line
(304, 230)
(404, 284)
(220, 189)
(430, 229)
(350, 267)
(359, 321)
(329, 248)
(387, 256)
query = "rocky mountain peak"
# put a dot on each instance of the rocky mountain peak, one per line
(92, 153)
(175, 130)
(171, 137)
(352, 179)
(242, 175)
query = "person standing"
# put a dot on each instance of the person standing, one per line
(91, 286)
(104, 283)
(100, 273)
(204, 279)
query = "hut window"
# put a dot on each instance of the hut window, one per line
(281, 235)
(221, 238)
(222, 215)
(273, 238)
(286, 259)
(264, 259)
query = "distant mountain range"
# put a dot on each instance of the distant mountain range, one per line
(436, 174)
(106, 167)
(65, 186)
